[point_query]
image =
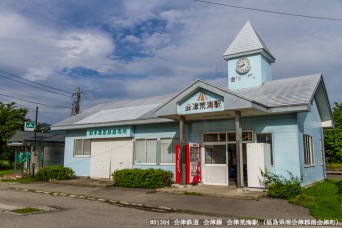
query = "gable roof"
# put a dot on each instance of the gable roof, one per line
(277, 96)
(233, 101)
(292, 94)
(283, 92)
(247, 41)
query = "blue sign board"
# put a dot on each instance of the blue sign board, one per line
(201, 101)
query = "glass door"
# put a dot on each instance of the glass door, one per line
(215, 164)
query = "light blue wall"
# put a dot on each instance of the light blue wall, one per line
(155, 131)
(285, 140)
(194, 130)
(80, 165)
(266, 69)
(283, 128)
(259, 73)
(309, 123)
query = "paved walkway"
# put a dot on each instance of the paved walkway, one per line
(263, 208)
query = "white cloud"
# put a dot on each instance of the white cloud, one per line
(38, 73)
(88, 49)
(131, 38)
(189, 46)
(172, 17)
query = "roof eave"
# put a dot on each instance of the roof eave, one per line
(110, 124)
(268, 55)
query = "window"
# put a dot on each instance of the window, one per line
(82, 147)
(145, 151)
(215, 154)
(167, 150)
(266, 138)
(231, 136)
(247, 136)
(308, 150)
(215, 137)
(322, 151)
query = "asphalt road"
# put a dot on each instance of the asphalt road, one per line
(68, 212)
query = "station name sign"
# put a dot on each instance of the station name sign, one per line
(110, 132)
(203, 101)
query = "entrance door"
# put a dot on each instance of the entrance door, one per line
(215, 165)
(232, 168)
(100, 159)
(108, 156)
(121, 155)
(232, 171)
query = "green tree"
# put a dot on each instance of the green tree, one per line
(11, 119)
(333, 137)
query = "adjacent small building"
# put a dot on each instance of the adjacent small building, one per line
(50, 150)
(254, 123)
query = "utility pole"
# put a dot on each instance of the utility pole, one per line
(35, 142)
(75, 109)
(35, 132)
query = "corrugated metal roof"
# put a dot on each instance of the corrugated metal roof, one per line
(246, 41)
(283, 92)
(117, 111)
(119, 114)
(29, 136)
(278, 93)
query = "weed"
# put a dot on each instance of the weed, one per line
(193, 193)
(27, 210)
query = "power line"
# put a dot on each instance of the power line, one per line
(17, 78)
(23, 106)
(270, 11)
(34, 82)
(56, 106)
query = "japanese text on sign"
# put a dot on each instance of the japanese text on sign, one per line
(108, 132)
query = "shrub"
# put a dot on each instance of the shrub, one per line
(55, 172)
(4, 164)
(280, 187)
(142, 178)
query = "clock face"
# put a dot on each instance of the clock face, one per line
(243, 65)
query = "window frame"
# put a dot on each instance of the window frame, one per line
(145, 152)
(173, 146)
(226, 133)
(83, 155)
(322, 152)
(308, 151)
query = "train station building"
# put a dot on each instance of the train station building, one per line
(251, 123)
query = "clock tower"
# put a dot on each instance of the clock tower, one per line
(249, 60)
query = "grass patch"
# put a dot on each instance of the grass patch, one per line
(27, 210)
(193, 193)
(5, 172)
(324, 199)
(334, 166)
(22, 180)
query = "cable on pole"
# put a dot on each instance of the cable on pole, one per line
(269, 11)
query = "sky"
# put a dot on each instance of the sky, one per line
(129, 49)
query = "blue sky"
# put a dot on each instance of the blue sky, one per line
(130, 49)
